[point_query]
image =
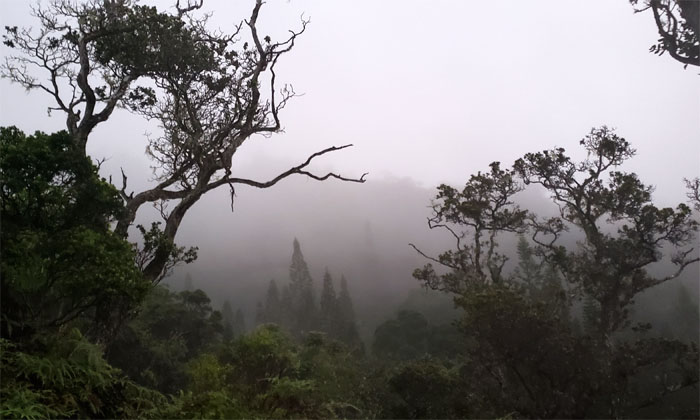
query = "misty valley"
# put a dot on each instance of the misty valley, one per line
(553, 276)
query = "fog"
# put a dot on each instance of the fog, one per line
(428, 92)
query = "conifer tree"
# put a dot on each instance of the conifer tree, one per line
(273, 304)
(329, 305)
(347, 330)
(302, 294)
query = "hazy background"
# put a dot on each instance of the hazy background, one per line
(428, 92)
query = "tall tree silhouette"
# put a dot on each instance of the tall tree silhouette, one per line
(347, 330)
(329, 305)
(272, 304)
(302, 294)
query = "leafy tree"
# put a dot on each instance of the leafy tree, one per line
(678, 23)
(170, 329)
(60, 260)
(209, 91)
(474, 217)
(259, 359)
(403, 338)
(427, 389)
(336, 374)
(409, 336)
(207, 395)
(611, 268)
(271, 376)
(540, 279)
(529, 360)
(516, 340)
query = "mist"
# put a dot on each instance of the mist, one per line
(357, 253)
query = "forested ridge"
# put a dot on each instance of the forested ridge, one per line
(524, 315)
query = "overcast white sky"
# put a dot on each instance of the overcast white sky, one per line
(435, 90)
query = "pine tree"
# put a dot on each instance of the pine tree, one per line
(302, 294)
(227, 316)
(347, 330)
(272, 304)
(329, 305)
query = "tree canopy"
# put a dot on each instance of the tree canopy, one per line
(208, 91)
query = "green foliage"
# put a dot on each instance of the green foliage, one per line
(260, 357)
(427, 389)
(610, 268)
(337, 372)
(474, 217)
(520, 341)
(539, 365)
(403, 338)
(66, 377)
(147, 42)
(60, 260)
(155, 241)
(540, 280)
(170, 329)
(48, 185)
(410, 337)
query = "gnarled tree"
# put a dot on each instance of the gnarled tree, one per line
(474, 217)
(624, 231)
(525, 349)
(209, 92)
(678, 23)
